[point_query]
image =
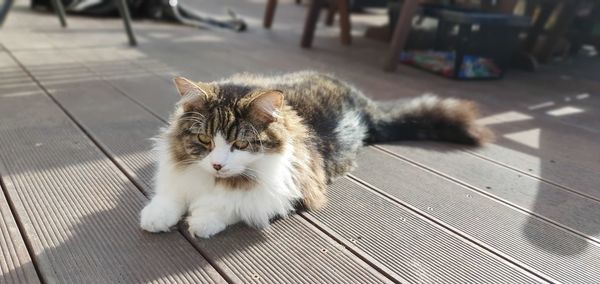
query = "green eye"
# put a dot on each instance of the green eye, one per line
(204, 139)
(240, 144)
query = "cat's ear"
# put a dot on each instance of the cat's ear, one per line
(266, 107)
(192, 94)
(186, 87)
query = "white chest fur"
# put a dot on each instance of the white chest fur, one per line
(213, 207)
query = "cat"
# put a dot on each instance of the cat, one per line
(251, 148)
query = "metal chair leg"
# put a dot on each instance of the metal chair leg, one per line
(60, 10)
(124, 11)
(4, 10)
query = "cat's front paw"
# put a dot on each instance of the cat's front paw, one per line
(205, 227)
(159, 216)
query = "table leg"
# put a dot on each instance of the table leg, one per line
(401, 31)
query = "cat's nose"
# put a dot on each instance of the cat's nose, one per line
(217, 166)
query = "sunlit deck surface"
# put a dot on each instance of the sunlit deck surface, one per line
(78, 106)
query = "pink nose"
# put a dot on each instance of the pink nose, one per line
(217, 166)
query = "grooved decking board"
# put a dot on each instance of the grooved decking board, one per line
(412, 263)
(574, 211)
(78, 211)
(556, 164)
(15, 262)
(291, 251)
(408, 245)
(541, 246)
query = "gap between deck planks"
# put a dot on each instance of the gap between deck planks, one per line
(16, 265)
(290, 251)
(150, 87)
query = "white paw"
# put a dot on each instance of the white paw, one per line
(205, 227)
(159, 216)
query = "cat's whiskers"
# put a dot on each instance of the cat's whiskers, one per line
(194, 112)
(193, 119)
(252, 173)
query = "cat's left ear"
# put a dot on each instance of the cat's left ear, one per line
(266, 107)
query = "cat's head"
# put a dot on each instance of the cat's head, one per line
(225, 128)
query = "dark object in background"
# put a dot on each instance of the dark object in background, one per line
(481, 49)
(585, 26)
(170, 10)
(360, 5)
(106, 8)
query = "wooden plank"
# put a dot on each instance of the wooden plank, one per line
(77, 210)
(409, 245)
(541, 247)
(562, 206)
(290, 251)
(384, 247)
(559, 155)
(15, 263)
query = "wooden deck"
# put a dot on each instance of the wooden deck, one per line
(77, 109)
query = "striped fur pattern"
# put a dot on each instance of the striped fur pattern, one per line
(251, 148)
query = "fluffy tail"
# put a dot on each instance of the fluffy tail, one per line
(426, 118)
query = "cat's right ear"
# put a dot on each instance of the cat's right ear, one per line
(193, 95)
(186, 87)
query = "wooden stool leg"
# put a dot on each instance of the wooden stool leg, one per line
(345, 29)
(60, 10)
(403, 26)
(124, 11)
(269, 14)
(311, 23)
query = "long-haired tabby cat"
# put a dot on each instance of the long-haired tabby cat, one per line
(251, 148)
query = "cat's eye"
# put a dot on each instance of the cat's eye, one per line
(241, 144)
(204, 139)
